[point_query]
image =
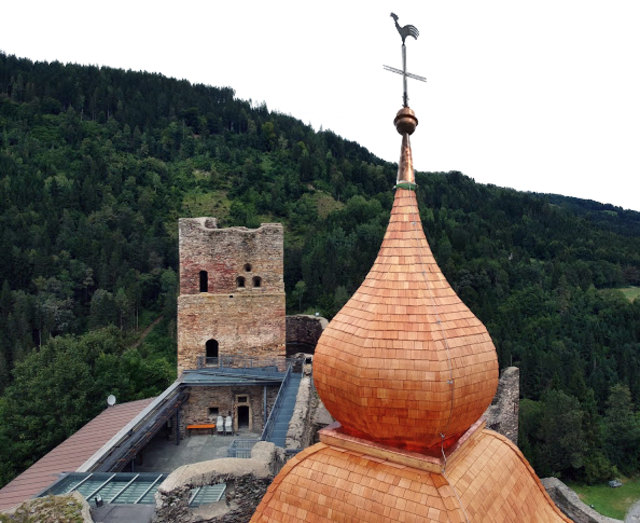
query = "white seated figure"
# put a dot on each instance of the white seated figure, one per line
(228, 425)
(220, 424)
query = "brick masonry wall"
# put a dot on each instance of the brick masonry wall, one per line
(243, 325)
(225, 254)
(201, 399)
(245, 321)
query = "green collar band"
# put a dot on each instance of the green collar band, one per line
(406, 185)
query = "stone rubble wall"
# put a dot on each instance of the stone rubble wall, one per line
(571, 505)
(66, 508)
(303, 332)
(247, 481)
(309, 413)
(502, 414)
(295, 439)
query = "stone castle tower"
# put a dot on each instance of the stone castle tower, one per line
(232, 299)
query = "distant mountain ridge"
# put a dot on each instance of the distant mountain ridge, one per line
(606, 215)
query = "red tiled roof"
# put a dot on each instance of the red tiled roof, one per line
(71, 453)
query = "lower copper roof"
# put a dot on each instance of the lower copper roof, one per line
(71, 453)
(342, 478)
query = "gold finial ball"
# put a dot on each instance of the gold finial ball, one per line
(405, 121)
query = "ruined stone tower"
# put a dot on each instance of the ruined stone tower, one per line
(232, 299)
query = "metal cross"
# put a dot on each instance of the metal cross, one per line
(407, 30)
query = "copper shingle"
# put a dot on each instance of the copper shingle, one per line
(488, 481)
(405, 347)
(71, 453)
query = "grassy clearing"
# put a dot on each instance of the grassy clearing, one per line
(612, 502)
(214, 203)
(326, 204)
(631, 293)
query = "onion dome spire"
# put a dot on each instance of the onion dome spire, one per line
(405, 363)
(406, 123)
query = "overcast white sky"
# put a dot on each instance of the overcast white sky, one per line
(537, 95)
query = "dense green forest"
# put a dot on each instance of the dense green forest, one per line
(98, 164)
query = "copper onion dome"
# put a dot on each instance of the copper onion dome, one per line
(405, 363)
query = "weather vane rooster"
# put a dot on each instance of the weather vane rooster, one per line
(407, 30)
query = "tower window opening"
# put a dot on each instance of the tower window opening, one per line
(211, 350)
(257, 281)
(240, 281)
(247, 267)
(204, 281)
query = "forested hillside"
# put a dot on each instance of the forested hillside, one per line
(98, 164)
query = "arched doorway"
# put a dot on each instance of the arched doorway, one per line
(211, 354)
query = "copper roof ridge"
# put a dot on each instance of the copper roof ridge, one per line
(453, 488)
(333, 436)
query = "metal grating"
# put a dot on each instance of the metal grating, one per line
(241, 448)
(127, 488)
(122, 487)
(207, 494)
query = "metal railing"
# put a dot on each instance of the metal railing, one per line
(268, 426)
(211, 362)
(243, 362)
(241, 448)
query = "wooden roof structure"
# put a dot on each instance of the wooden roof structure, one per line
(71, 453)
(407, 371)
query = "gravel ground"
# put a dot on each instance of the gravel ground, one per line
(633, 516)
